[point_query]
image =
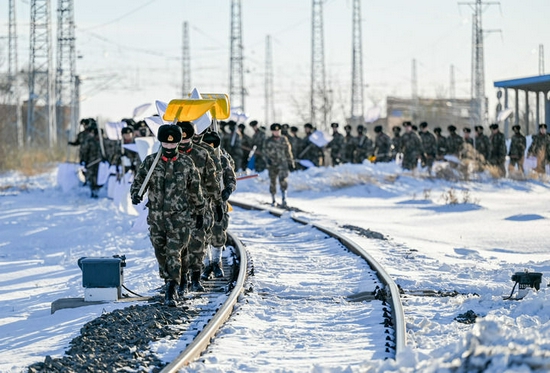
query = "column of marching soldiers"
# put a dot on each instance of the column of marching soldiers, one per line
(195, 174)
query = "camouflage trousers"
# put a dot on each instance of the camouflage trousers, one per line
(277, 173)
(169, 232)
(91, 176)
(410, 161)
(192, 254)
(219, 235)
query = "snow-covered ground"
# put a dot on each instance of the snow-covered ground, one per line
(473, 247)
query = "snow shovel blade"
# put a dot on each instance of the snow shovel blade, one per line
(221, 110)
(189, 109)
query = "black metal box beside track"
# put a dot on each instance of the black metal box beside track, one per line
(101, 272)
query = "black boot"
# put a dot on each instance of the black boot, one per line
(184, 283)
(206, 272)
(218, 271)
(195, 281)
(170, 295)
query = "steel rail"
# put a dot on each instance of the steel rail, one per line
(202, 340)
(398, 315)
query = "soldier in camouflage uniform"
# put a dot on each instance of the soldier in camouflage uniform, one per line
(440, 144)
(483, 144)
(497, 157)
(213, 264)
(294, 141)
(382, 146)
(454, 141)
(518, 143)
(336, 145)
(364, 147)
(467, 136)
(429, 145)
(258, 140)
(124, 159)
(233, 144)
(174, 196)
(411, 147)
(91, 154)
(540, 148)
(349, 145)
(193, 254)
(246, 145)
(87, 124)
(279, 158)
(395, 141)
(309, 150)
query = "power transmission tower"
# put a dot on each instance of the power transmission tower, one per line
(357, 105)
(41, 109)
(65, 77)
(269, 107)
(186, 63)
(13, 74)
(319, 99)
(414, 93)
(479, 105)
(236, 71)
(541, 59)
(452, 86)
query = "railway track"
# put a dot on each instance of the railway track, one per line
(371, 316)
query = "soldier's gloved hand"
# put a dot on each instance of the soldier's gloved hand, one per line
(219, 213)
(200, 222)
(136, 199)
(226, 193)
(292, 165)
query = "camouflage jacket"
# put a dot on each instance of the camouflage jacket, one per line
(174, 186)
(364, 148)
(90, 151)
(483, 146)
(311, 152)
(295, 142)
(411, 144)
(440, 146)
(540, 143)
(395, 145)
(277, 152)
(429, 143)
(454, 143)
(210, 183)
(127, 158)
(336, 145)
(228, 174)
(383, 147)
(350, 143)
(232, 143)
(518, 143)
(498, 148)
(258, 140)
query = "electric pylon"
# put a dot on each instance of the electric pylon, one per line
(269, 107)
(541, 59)
(13, 76)
(236, 71)
(357, 105)
(186, 63)
(319, 99)
(414, 91)
(65, 77)
(41, 122)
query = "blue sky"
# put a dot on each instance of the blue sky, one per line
(131, 49)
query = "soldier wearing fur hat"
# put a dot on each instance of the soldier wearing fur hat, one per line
(176, 204)
(294, 141)
(193, 254)
(411, 147)
(349, 145)
(483, 144)
(395, 141)
(232, 143)
(540, 148)
(429, 145)
(440, 144)
(518, 144)
(382, 146)
(279, 160)
(310, 151)
(125, 159)
(497, 156)
(336, 145)
(258, 139)
(92, 153)
(454, 141)
(364, 147)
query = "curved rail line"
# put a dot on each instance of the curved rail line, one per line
(202, 340)
(392, 291)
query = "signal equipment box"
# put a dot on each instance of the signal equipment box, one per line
(102, 277)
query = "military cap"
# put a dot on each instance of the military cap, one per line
(360, 127)
(275, 127)
(129, 122)
(378, 129)
(231, 124)
(169, 133)
(414, 128)
(308, 125)
(494, 126)
(285, 126)
(542, 125)
(451, 128)
(187, 129)
(126, 130)
(396, 129)
(334, 125)
(517, 127)
(241, 126)
(253, 123)
(479, 128)
(467, 130)
(423, 125)
(406, 124)
(211, 138)
(347, 127)
(293, 129)
(437, 130)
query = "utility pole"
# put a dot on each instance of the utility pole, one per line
(65, 78)
(41, 109)
(414, 93)
(185, 63)
(452, 86)
(479, 105)
(541, 59)
(269, 107)
(357, 106)
(318, 98)
(13, 74)
(236, 71)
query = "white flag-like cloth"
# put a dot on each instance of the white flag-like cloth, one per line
(161, 107)
(113, 130)
(154, 123)
(146, 145)
(204, 121)
(131, 147)
(103, 173)
(504, 114)
(140, 110)
(320, 138)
